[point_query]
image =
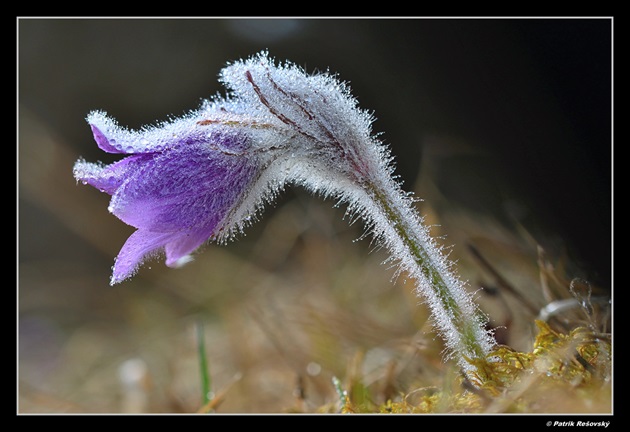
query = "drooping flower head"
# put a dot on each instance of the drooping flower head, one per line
(203, 177)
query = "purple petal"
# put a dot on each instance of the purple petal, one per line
(103, 142)
(178, 199)
(112, 138)
(108, 178)
(137, 247)
(191, 186)
(184, 245)
(178, 186)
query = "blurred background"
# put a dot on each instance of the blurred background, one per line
(501, 126)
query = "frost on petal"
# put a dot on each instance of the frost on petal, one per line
(316, 107)
(113, 138)
(103, 142)
(107, 178)
(88, 172)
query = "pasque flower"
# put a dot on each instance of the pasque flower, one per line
(207, 175)
(177, 186)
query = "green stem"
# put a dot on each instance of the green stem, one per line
(453, 309)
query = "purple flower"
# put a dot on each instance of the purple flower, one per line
(177, 185)
(204, 176)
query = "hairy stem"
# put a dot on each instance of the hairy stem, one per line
(455, 314)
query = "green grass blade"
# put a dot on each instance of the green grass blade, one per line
(203, 365)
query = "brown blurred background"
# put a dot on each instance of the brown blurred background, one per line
(503, 126)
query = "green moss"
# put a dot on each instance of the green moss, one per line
(562, 373)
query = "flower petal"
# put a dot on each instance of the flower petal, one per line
(181, 247)
(188, 187)
(102, 141)
(107, 178)
(112, 138)
(138, 246)
(178, 199)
